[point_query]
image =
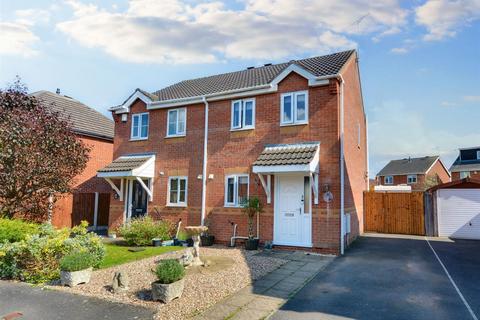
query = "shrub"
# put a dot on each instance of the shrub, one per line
(183, 235)
(141, 231)
(36, 259)
(77, 261)
(14, 230)
(169, 271)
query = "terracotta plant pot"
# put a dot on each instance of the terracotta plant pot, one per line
(72, 278)
(167, 292)
(207, 241)
(251, 244)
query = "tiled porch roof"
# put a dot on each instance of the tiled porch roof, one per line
(287, 154)
(125, 164)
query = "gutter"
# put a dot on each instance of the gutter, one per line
(205, 161)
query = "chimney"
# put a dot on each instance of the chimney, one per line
(58, 91)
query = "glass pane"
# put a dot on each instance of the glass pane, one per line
(145, 120)
(174, 184)
(135, 126)
(172, 122)
(236, 114)
(301, 114)
(183, 184)
(307, 191)
(230, 189)
(181, 127)
(242, 189)
(287, 109)
(248, 113)
(173, 196)
(181, 121)
(182, 196)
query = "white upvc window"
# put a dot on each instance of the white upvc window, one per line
(388, 179)
(236, 189)
(176, 122)
(464, 174)
(243, 114)
(177, 191)
(139, 126)
(412, 178)
(478, 155)
(294, 108)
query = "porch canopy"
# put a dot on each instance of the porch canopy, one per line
(129, 168)
(301, 158)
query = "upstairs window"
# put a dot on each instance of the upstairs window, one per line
(243, 114)
(139, 126)
(177, 191)
(464, 174)
(389, 180)
(478, 154)
(412, 178)
(236, 190)
(176, 122)
(294, 108)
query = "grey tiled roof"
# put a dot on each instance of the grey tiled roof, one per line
(319, 66)
(125, 164)
(408, 166)
(287, 154)
(85, 120)
(472, 166)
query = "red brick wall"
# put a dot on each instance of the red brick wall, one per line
(234, 152)
(473, 175)
(355, 148)
(100, 155)
(439, 171)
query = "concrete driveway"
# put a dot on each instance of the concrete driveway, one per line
(37, 304)
(394, 278)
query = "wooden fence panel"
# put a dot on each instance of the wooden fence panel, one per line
(83, 208)
(103, 209)
(394, 213)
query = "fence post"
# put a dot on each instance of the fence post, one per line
(95, 211)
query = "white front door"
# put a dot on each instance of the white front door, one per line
(292, 225)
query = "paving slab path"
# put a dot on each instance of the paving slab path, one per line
(269, 293)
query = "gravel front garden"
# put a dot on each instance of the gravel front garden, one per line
(229, 270)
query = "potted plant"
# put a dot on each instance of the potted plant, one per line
(76, 268)
(170, 281)
(206, 238)
(251, 206)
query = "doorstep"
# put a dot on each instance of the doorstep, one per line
(269, 293)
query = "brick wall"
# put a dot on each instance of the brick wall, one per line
(234, 152)
(473, 175)
(87, 182)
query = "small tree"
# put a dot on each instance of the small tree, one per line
(251, 207)
(431, 181)
(39, 155)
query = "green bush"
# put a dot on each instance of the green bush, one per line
(77, 261)
(37, 258)
(169, 271)
(141, 231)
(183, 235)
(14, 230)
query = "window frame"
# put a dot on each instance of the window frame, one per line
(411, 176)
(385, 180)
(243, 109)
(478, 154)
(293, 96)
(236, 177)
(177, 134)
(139, 133)
(178, 203)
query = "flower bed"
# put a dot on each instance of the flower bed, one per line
(203, 286)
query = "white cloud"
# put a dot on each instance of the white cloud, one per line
(17, 39)
(443, 18)
(472, 98)
(399, 50)
(448, 104)
(176, 31)
(30, 17)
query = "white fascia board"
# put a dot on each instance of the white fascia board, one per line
(282, 169)
(116, 174)
(125, 107)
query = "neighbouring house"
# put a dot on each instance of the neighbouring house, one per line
(420, 173)
(453, 209)
(467, 164)
(293, 134)
(90, 199)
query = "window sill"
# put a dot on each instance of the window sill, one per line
(293, 124)
(242, 129)
(173, 205)
(176, 136)
(232, 206)
(138, 139)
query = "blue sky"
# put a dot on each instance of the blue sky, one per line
(420, 60)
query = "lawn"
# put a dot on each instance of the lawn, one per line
(118, 254)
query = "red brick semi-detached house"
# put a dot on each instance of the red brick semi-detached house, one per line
(467, 164)
(419, 173)
(293, 134)
(90, 199)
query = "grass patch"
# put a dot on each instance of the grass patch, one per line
(118, 254)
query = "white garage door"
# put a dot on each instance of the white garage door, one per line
(459, 213)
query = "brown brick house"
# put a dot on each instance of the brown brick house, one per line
(90, 199)
(420, 173)
(292, 134)
(467, 164)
